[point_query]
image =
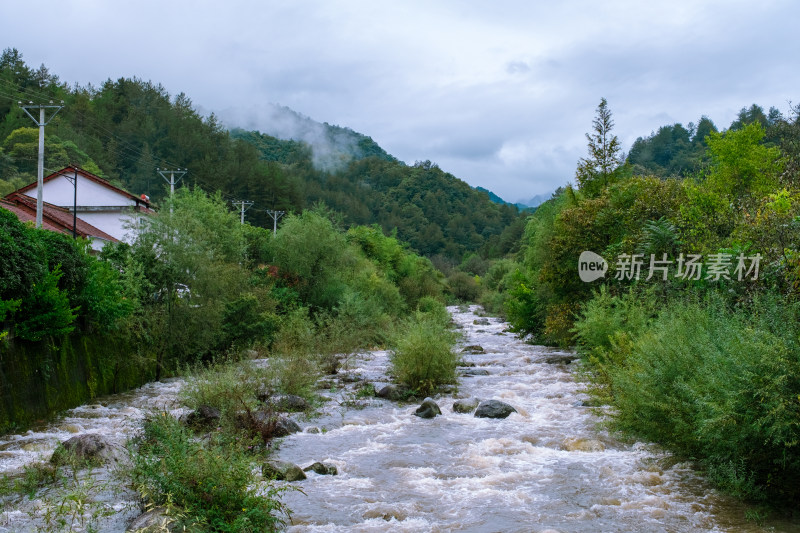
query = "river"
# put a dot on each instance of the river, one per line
(550, 467)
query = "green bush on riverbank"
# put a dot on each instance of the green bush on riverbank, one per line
(715, 383)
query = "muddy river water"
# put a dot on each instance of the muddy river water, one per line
(548, 467)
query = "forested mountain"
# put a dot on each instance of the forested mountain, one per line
(126, 129)
(675, 150)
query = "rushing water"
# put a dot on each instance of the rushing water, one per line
(546, 468)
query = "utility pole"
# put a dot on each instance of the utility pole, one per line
(41, 122)
(171, 180)
(275, 216)
(245, 205)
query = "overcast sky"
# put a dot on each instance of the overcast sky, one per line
(498, 93)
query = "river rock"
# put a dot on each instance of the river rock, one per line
(475, 372)
(465, 406)
(473, 349)
(88, 447)
(285, 427)
(393, 392)
(481, 321)
(466, 364)
(290, 403)
(494, 409)
(282, 470)
(446, 388)
(428, 409)
(203, 416)
(153, 521)
(323, 469)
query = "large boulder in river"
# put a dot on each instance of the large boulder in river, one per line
(494, 409)
(323, 469)
(282, 470)
(428, 409)
(88, 448)
(465, 406)
(481, 321)
(393, 392)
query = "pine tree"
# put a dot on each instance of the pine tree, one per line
(596, 171)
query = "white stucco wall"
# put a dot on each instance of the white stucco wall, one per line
(60, 191)
(114, 223)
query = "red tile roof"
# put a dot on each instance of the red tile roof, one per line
(54, 218)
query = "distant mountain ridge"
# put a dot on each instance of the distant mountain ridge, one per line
(533, 203)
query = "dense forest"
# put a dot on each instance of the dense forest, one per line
(126, 129)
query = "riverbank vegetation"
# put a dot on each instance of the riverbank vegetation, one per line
(198, 286)
(705, 361)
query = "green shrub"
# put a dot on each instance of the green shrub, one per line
(606, 327)
(423, 355)
(434, 309)
(47, 311)
(722, 385)
(463, 287)
(212, 482)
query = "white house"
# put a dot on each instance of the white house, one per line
(99, 203)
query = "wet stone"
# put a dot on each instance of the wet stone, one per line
(473, 349)
(88, 447)
(393, 392)
(323, 469)
(282, 471)
(465, 406)
(428, 409)
(494, 409)
(286, 426)
(475, 372)
(481, 321)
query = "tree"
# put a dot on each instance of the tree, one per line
(595, 172)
